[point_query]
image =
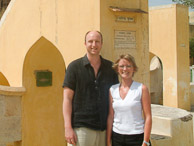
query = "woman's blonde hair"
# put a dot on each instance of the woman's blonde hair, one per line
(129, 58)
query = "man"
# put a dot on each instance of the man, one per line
(86, 90)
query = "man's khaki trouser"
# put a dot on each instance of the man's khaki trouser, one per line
(89, 137)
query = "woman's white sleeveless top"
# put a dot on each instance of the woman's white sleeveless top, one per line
(128, 117)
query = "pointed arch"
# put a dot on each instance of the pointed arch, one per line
(42, 105)
(3, 80)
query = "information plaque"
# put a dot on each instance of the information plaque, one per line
(125, 39)
(43, 78)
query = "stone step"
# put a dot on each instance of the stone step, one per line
(157, 139)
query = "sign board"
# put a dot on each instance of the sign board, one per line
(125, 39)
(43, 78)
(125, 19)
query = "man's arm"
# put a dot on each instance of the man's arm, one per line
(70, 135)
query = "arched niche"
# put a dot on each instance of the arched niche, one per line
(43, 74)
(156, 79)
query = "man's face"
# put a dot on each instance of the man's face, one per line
(93, 43)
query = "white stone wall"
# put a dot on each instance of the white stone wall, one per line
(10, 114)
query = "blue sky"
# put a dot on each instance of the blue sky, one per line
(160, 2)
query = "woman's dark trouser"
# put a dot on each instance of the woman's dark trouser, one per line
(127, 140)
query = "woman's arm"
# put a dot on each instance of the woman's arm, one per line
(109, 121)
(146, 103)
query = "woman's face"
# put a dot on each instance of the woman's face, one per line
(125, 69)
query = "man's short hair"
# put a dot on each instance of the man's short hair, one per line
(95, 31)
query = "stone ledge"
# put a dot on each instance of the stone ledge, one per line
(171, 113)
(6, 90)
(171, 126)
(159, 137)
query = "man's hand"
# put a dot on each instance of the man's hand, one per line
(70, 136)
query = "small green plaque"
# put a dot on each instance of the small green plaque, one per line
(43, 78)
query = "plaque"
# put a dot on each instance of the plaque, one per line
(125, 19)
(43, 78)
(125, 39)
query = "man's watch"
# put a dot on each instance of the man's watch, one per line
(147, 143)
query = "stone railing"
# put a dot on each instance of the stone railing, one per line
(171, 126)
(10, 114)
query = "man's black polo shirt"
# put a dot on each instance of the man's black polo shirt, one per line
(91, 95)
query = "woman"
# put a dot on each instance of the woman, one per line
(126, 125)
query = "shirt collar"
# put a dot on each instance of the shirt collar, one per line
(86, 61)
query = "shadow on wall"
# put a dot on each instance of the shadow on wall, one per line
(3, 80)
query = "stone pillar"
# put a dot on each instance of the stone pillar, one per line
(169, 40)
(124, 26)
